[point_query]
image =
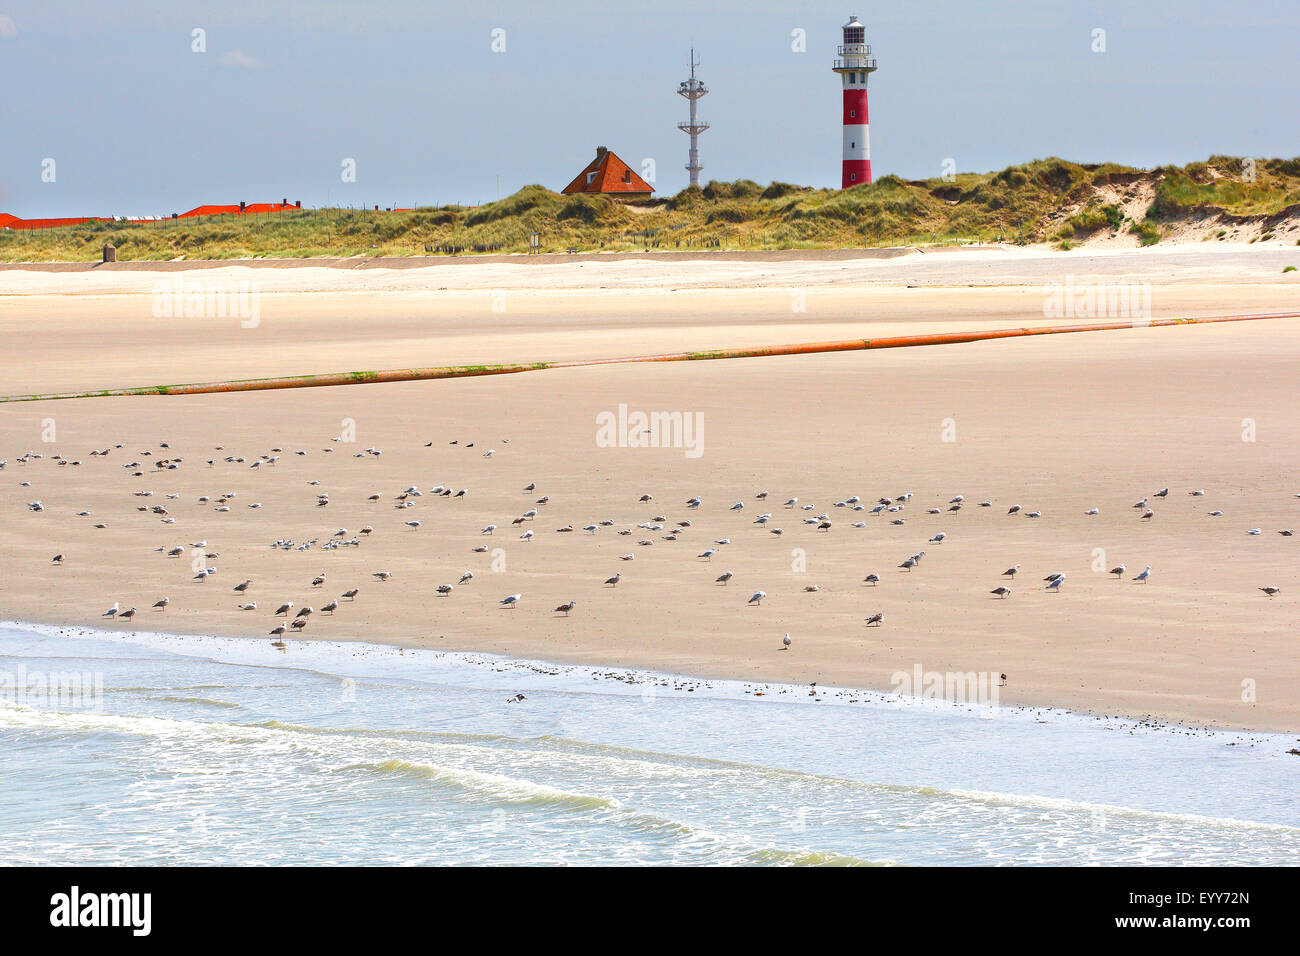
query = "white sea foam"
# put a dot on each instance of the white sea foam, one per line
(219, 750)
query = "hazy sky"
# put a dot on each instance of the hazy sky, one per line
(139, 124)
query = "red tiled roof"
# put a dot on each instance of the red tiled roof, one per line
(235, 210)
(13, 222)
(608, 174)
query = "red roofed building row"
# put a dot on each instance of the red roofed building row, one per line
(13, 222)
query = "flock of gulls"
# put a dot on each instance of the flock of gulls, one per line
(154, 466)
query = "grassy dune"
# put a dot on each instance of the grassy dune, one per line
(1049, 200)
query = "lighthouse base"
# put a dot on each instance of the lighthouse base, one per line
(856, 172)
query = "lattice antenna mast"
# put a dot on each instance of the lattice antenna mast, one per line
(693, 89)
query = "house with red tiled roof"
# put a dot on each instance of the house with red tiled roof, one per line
(608, 174)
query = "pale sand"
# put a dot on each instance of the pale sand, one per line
(1059, 424)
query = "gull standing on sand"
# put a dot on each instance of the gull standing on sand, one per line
(723, 578)
(1055, 583)
(1118, 571)
(1011, 572)
(162, 604)
(112, 611)
(876, 620)
(567, 607)
(757, 598)
(1144, 576)
(1271, 591)
(465, 577)
(785, 642)
(613, 582)
(1001, 592)
(511, 600)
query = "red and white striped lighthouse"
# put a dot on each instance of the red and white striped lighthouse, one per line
(853, 63)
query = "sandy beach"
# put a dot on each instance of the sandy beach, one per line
(1058, 425)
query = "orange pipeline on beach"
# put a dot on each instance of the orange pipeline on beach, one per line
(471, 371)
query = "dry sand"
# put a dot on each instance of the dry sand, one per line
(1059, 424)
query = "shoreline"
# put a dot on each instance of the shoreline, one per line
(633, 676)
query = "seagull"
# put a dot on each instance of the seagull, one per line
(382, 575)
(1054, 576)
(938, 538)
(1148, 515)
(645, 498)
(791, 502)
(1013, 509)
(111, 612)
(488, 529)
(1254, 531)
(1118, 571)
(1002, 592)
(162, 604)
(526, 536)
(1215, 514)
(873, 579)
(876, 619)
(738, 506)
(1092, 511)
(127, 614)
(1144, 576)
(284, 608)
(465, 577)
(277, 630)
(350, 594)
(785, 642)
(757, 598)
(444, 589)
(613, 582)
(1199, 492)
(516, 699)
(566, 607)
(1055, 583)
(1141, 504)
(708, 555)
(252, 606)
(511, 600)
(243, 586)
(693, 503)
(909, 564)
(1271, 591)
(413, 524)
(723, 578)
(58, 558)
(1162, 493)
(1011, 572)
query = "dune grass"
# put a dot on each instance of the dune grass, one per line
(1011, 205)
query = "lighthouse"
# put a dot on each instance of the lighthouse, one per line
(853, 62)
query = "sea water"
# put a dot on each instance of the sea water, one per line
(189, 750)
